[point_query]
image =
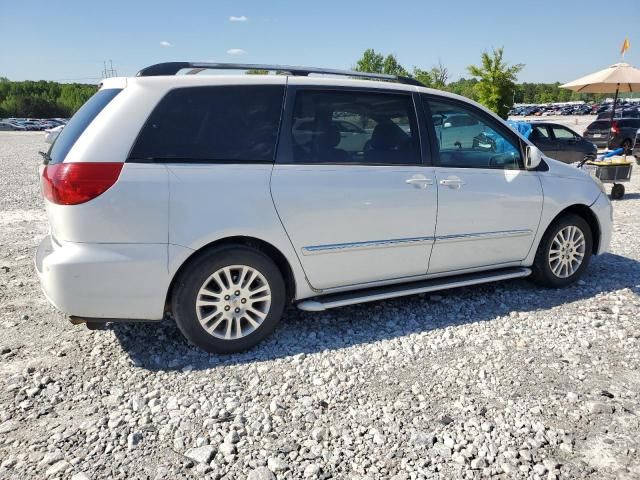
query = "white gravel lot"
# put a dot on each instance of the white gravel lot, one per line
(504, 380)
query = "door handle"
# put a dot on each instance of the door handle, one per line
(419, 181)
(452, 182)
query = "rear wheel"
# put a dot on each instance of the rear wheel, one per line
(228, 299)
(627, 145)
(564, 252)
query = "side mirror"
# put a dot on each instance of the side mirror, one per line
(446, 125)
(533, 157)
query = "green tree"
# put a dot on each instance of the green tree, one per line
(41, 98)
(465, 87)
(374, 62)
(496, 81)
(424, 76)
(371, 62)
(391, 66)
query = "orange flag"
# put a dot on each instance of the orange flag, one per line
(625, 46)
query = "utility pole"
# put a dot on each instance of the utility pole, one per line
(108, 72)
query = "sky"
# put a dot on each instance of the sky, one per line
(557, 40)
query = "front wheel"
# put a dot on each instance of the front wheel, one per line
(564, 252)
(228, 299)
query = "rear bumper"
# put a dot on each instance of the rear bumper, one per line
(600, 142)
(115, 281)
(604, 212)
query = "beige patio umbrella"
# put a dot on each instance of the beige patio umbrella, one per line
(619, 77)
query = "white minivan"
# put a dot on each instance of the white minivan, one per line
(220, 199)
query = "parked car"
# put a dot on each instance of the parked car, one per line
(11, 126)
(52, 133)
(207, 206)
(583, 110)
(561, 143)
(32, 125)
(621, 133)
(623, 113)
(636, 147)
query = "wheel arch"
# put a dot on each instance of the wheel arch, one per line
(263, 246)
(587, 214)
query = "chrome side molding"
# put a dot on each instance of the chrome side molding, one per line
(483, 235)
(341, 247)
(403, 242)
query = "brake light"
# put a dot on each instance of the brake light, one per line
(614, 128)
(75, 183)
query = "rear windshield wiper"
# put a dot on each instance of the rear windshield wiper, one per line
(45, 156)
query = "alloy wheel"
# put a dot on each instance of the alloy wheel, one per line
(567, 251)
(233, 302)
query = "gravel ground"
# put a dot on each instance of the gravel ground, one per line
(504, 380)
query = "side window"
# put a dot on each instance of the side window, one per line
(467, 139)
(563, 133)
(538, 133)
(629, 123)
(354, 127)
(79, 123)
(236, 124)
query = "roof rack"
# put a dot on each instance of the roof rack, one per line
(171, 68)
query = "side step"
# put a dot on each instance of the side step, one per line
(401, 289)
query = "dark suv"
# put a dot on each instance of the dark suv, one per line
(623, 132)
(624, 113)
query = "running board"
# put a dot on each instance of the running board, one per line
(400, 290)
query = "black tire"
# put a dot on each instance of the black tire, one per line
(617, 191)
(627, 144)
(542, 272)
(193, 277)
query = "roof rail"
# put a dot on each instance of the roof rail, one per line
(171, 68)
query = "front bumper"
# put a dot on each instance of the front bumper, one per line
(604, 212)
(115, 281)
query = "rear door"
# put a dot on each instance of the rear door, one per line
(218, 144)
(361, 207)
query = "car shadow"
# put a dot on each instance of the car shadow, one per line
(629, 196)
(160, 346)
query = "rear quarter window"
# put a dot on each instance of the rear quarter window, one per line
(629, 123)
(232, 124)
(79, 123)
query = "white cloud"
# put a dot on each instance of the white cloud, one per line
(164, 43)
(236, 51)
(241, 18)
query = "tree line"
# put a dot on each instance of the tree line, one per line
(42, 99)
(492, 82)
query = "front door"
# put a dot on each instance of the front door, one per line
(570, 144)
(489, 207)
(358, 208)
(541, 137)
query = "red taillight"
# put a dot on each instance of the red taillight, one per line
(614, 128)
(74, 183)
